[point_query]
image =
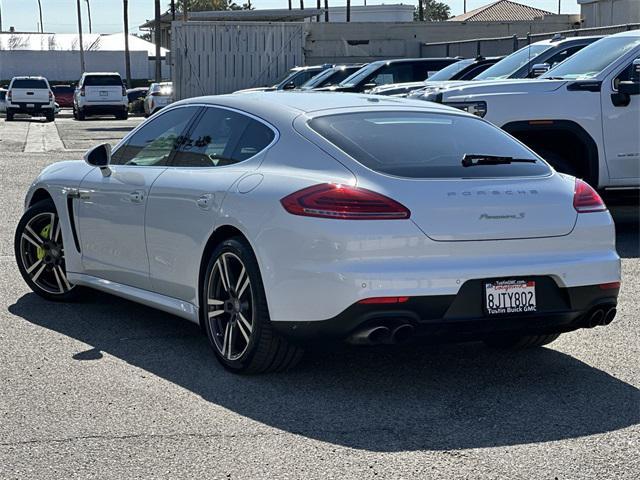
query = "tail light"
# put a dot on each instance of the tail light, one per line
(50, 95)
(9, 95)
(383, 300)
(329, 200)
(82, 92)
(586, 199)
(609, 286)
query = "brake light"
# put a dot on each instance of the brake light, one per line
(342, 202)
(9, 95)
(609, 286)
(82, 92)
(50, 95)
(383, 300)
(586, 199)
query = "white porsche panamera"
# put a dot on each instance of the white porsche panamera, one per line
(278, 219)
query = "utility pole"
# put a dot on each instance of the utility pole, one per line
(560, 3)
(127, 55)
(89, 13)
(318, 16)
(348, 10)
(326, 10)
(290, 7)
(464, 6)
(41, 25)
(80, 36)
(158, 40)
(301, 4)
(420, 11)
(173, 10)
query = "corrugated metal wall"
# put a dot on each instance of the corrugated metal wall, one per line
(211, 58)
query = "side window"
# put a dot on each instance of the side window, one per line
(397, 73)
(156, 140)
(222, 137)
(302, 78)
(563, 55)
(627, 74)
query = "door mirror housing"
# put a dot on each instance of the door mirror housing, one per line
(629, 88)
(100, 156)
(539, 68)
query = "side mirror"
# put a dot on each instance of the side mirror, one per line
(539, 68)
(289, 86)
(629, 88)
(100, 156)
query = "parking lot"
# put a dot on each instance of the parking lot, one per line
(106, 388)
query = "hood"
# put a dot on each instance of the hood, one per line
(257, 89)
(506, 87)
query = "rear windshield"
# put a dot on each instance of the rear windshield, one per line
(29, 83)
(62, 89)
(102, 80)
(447, 73)
(511, 64)
(425, 145)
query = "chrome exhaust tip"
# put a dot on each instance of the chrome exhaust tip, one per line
(609, 316)
(402, 333)
(370, 336)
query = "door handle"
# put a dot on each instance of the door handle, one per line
(136, 197)
(204, 201)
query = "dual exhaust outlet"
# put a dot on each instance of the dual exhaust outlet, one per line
(600, 316)
(382, 335)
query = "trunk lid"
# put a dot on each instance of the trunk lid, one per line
(103, 93)
(486, 209)
(30, 95)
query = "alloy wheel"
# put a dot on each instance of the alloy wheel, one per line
(42, 254)
(230, 308)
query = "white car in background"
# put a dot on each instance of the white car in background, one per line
(30, 96)
(583, 116)
(3, 100)
(100, 93)
(274, 219)
(159, 96)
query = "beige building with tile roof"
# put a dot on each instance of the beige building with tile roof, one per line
(502, 11)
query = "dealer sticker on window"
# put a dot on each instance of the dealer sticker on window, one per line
(510, 296)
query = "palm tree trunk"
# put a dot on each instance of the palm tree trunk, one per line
(89, 13)
(127, 55)
(326, 10)
(421, 11)
(301, 4)
(158, 36)
(41, 25)
(348, 10)
(82, 67)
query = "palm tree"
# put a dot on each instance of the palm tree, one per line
(80, 36)
(127, 55)
(326, 10)
(158, 40)
(348, 10)
(89, 13)
(41, 25)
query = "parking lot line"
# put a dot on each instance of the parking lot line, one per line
(43, 137)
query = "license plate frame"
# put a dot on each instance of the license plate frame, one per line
(511, 296)
(104, 93)
(31, 105)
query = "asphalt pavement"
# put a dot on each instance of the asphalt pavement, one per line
(106, 388)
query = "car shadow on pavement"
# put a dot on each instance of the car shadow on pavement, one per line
(378, 399)
(627, 219)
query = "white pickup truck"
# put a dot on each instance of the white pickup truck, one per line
(583, 116)
(31, 96)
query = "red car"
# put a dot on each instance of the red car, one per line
(64, 95)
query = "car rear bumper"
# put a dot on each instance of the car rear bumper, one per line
(29, 108)
(461, 316)
(103, 109)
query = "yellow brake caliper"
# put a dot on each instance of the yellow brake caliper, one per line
(44, 233)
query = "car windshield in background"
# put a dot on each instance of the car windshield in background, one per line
(591, 60)
(29, 83)
(360, 75)
(448, 72)
(509, 65)
(329, 77)
(103, 81)
(313, 81)
(426, 145)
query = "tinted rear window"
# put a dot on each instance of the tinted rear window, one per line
(425, 145)
(29, 83)
(103, 80)
(62, 89)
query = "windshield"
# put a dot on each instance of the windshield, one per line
(593, 59)
(329, 77)
(360, 75)
(313, 81)
(425, 145)
(511, 64)
(447, 73)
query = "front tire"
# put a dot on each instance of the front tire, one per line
(40, 253)
(235, 313)
(515, 342)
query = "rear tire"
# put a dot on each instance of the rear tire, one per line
(122, 115)
(50, 117)
(235, 314)
(514, 342)
(39, 251)
(9, 117)
(80, 115)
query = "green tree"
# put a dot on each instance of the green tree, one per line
(205, 5)
(434, 11)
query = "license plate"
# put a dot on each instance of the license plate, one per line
(103, 93)
(510, 296)
(31, 105)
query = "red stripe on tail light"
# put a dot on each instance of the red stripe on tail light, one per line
(343, 202)
(384, 300)
(609, 286)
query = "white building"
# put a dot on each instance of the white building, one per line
(372, 13)
(601, 13)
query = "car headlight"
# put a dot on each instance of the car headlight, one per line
(478, 109)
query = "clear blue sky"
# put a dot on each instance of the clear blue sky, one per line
(59, 15)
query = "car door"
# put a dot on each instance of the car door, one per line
(621, 124)
(184, 204)
(111, 208)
